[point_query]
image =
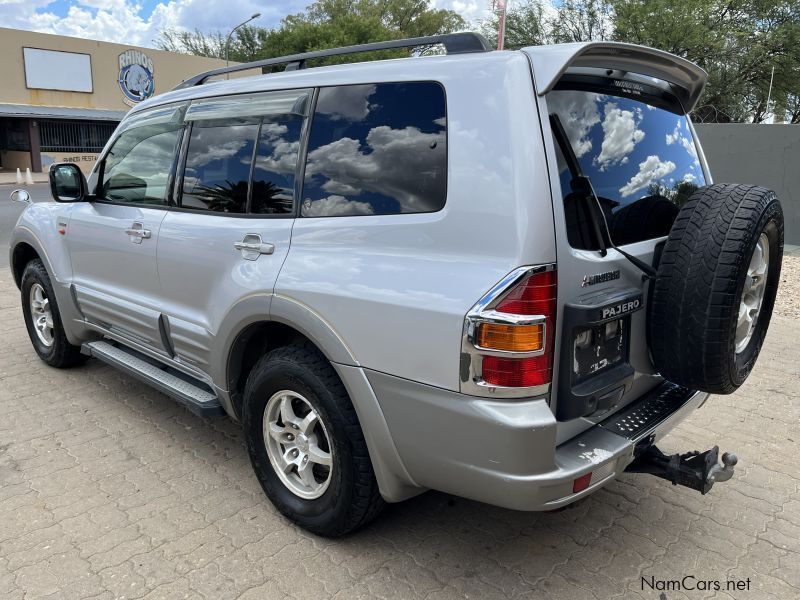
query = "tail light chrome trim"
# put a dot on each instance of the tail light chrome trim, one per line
(471, 378)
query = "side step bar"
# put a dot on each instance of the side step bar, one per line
(198, 400)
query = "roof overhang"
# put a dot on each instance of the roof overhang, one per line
(551, 62)
(32, 111)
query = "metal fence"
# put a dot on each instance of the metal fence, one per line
(75, 136)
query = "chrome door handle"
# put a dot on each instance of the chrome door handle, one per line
(137, 233)
(252, 247)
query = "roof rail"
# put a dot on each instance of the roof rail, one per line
(454, 43)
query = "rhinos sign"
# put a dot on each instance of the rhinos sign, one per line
(135, 76)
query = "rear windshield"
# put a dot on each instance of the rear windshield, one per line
(639, 154)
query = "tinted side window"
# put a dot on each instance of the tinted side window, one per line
(217, 172)
(377, 149)
(138, 165)
(276, 160)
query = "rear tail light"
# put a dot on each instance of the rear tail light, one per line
(511, 338)
(516, 372)
(534, 295)
(510, 334)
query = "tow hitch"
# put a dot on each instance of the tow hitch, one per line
(696, 470)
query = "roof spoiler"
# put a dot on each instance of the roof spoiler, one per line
(551, 62)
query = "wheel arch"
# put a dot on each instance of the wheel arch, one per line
(289, 321)
(250, 333)
(21, 254)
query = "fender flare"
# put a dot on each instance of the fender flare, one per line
(394, 482)
(60, 274)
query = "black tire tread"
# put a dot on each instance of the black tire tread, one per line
(367, 501)
(64, 354)
(695, 293)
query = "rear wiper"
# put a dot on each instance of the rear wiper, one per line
(581, 186)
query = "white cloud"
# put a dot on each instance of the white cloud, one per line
(620, 136)
(131, 22)
(684, 140)
(578, 114)
(348, 102)
(382, 166)
(128, 22)
(650, 171)
(337, 206)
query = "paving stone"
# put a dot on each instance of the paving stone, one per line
(110, 490)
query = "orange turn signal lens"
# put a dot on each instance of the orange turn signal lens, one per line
(511, 338)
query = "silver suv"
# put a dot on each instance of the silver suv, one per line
(501, 275)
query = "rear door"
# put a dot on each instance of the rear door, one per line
(628, 135)
(230, 233)
(113, 239)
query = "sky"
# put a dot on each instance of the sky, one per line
(139, 22)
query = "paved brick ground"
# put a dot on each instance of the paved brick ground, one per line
(110, 490)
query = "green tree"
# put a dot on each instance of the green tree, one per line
(581, 21)
(737, 42)
(526, 25)
(324, 24)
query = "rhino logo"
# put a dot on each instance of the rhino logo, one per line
(136, 76)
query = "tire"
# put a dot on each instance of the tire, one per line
(351, 498)
(58, 352)
(700, 286)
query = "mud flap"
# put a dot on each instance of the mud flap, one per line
(696, 470)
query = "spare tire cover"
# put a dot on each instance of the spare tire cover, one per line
(715, 287)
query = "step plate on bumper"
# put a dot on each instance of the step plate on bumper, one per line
(635, 421)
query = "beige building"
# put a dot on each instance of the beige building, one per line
(62, 97)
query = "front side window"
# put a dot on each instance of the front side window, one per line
(217, 172)
(138, 165)
(377, 149)
(637, 151)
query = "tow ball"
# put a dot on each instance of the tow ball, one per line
(696, 470)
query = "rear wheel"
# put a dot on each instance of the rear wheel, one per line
(43, 319)
(716, 286)
(306, 444)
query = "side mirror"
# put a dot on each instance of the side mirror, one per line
(21, 196)
(67, 182)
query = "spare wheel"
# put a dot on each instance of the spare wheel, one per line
(715, 287)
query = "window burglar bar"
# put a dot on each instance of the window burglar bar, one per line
(75, 136)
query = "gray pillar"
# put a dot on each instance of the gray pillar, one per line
(36, 147)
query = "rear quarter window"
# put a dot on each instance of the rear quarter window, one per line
(377, 149)
(640, 156)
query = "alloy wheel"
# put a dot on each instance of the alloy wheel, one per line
(752, 294)
(298, 445)
(41, 314)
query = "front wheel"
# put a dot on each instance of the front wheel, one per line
(306, 444)
(43, 319)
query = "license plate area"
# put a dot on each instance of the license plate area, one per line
(595, 372)
(599, 347)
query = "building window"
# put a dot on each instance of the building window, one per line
(14, 135)
(75, 136)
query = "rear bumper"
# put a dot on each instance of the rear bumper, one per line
(505, 453)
